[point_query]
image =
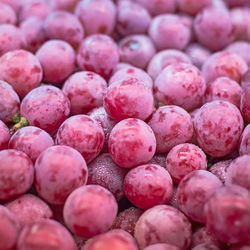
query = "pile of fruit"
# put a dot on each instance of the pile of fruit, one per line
(124, 124)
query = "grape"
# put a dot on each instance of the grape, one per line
(96, 16)
(114, 239)
(183, 159)
(7, 14)
(165, 58)
(9, 229)
(163, 224)
(59, 170)
(9, 102)
(192, 7)
(31, 140)
(136, 50)
(244, 145)
(132, 18)
(180, 84)
(194, 191)
(85, 91)
(4, 136)
(11, 38)
(236, 3)
(121, 65)
(17, 173)
(90, 210)
(82, 133)
(245, 80)
(33, 31)
(210, 33)
(45, 107)
(68, 5)
(220, 168)
(127, 219)
(227, 214)
(104, 172)
(224, 64)
(14, 4)
(129, 98)
(172, 125)
(100, 115)
(245, 103)
(64, 26)
(91, 52)
(161, 246)
(198, 54)
(168, 31)
(156, 7)
(239, 172)
(148, 185)
(131, 143)
(218, 126)
(225, 89)
(45, 234)
(206, 246)
(29, 208)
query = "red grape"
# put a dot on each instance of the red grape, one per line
(192, 7)
(244, 145)
(206, 246)
(7, 14)
(4, 136)
(245, 103)
(161, 246)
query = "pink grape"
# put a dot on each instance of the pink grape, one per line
(224, 63)
(31, 140)
(180, 84)
(4, 136)
(245, 103)
(227, 214)
(91, 52)
(244, 145)
(9, 102)
(131, 143)
(239, 172)
(68, 5)
(127, 219)
(17, 173)
(220, 169)
(7, 14)
(172, 125)
(64, 26)
(148, 185)
(85, 91)
(82, 133)
(59, 170)
(183, 159)
(161, 246)
(9, 230)
(14, 4)
(45, 234)
(192, 194)
(218, 126)
(90, 210)
(163, 224)
(165, 58)
(29, 209)
(104, 172)
(45, 107)
(206, 246)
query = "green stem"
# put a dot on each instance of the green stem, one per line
(22, 123)
(16, 118)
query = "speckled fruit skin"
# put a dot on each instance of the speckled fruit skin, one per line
(31, 140)
(161, 246)
(220, 169)
(172, 125)
(238, 172)
(183, 159)
(29, 208)
(45, 234)
(104, 172)
(131, 143)
(9, 230)
(85, 91)
(90, 210)
(165, 58)
(244, 145)
(148, 185)
(59, 170)
(82, 133)
(17, 173)
(7, 14)
(194, 191)
(21, 70)
(218, 126)
(4, 136)
(229, 208)
(58, 60)
(180, 84)
(163, 224)
(45, 107)
(98, 53)
(224, 63)
(245, 103)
